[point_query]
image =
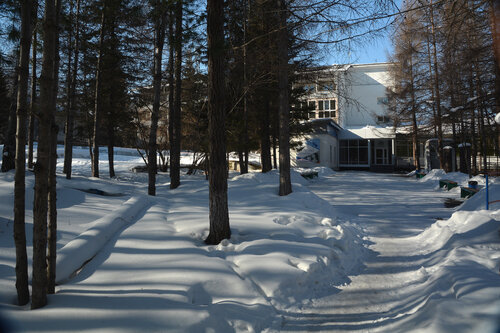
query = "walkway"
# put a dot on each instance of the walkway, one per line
(391, 288)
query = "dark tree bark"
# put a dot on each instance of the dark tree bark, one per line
(52, 195)
(9, 147)
(47, 82)
(160, 24)
(265, 141)
(171, 80)
(20, 184)
(284, 104)
(52, 225)
(217, 166)
(175, 119)
(98, 97)
(32, 111)
(71, 104)
(437, 102)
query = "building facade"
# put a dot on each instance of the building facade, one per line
(348, 113)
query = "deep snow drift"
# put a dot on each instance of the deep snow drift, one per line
(344, 252)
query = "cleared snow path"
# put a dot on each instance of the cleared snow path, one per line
(411, 282)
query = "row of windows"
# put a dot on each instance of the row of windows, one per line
(319, 87)
(322, 114)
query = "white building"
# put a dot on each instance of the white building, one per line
(347, 108)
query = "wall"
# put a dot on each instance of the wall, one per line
(361, 86)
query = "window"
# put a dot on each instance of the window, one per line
(309, 88)
(326, 86)
(382, 100)
(333, 104)
(354, 152)
(323, 108)
(383, 119)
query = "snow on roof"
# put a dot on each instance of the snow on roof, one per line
(367, 132)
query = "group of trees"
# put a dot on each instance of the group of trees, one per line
(225, 86)
(446, 75)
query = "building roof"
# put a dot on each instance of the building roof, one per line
(367, 132)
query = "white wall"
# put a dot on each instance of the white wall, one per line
(363, 84)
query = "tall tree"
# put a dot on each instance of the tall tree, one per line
(175, 114)
(98, 93)
(285, 187)
(160, 19)
(71, 93)
(47, 109)
(52, 192)
(217, 165)
(20, 186)
(33, 99)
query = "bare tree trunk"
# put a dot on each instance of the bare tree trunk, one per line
(284, 105)
(243, 158)
(70, 110)
(160, 23)
(171, 88)
(32, 112)
(20, 184)
(175, 142)
(217, 174)
(98, 97)
(437, 90)
(265, 143)
(416, 159)
(52, 195)
(47, 81)
(9, 147)
(52, 227)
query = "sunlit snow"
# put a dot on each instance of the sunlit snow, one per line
(347, 251)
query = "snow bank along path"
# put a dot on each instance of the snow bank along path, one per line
(84, 247)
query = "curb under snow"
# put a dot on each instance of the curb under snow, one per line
(84, 247)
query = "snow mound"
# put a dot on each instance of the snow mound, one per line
(81, 249)
(269, 177)
(322, 171)
(434, 175)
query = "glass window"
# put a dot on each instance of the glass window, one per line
(333, 114)
(321, 114)
(327, 105)
(312, 115)
(320, 105)
(382, 100)
(333, 104)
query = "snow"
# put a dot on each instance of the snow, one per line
(347, 251)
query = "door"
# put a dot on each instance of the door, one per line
(381, 152)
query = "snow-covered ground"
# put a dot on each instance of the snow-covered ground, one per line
(348, 251)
